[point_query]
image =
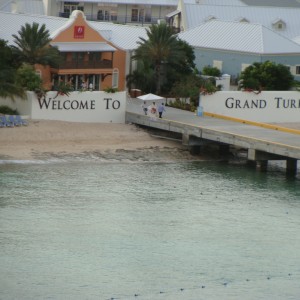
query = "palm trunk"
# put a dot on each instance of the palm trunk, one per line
(158, 85)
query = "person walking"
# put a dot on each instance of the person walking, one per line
(161, 109)
(145, 108)
(152, 109)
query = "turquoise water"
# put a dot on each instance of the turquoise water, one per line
(95, 230)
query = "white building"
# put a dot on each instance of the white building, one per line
(141, 12)
(283, 20)
(233, 46)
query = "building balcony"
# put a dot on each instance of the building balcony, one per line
(121, 19)
(102, 64)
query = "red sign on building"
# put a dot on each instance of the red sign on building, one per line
(78, 32)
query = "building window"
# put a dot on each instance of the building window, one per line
(279, 24)
(71, 6)
(294, 70)
(134, 15)
(103, 15)
(77, 56)
(141, 15)
(148, 15)
(138, 14)
(107, 15)
(113, 15)
(94, 56)
(218, 64)
(244, 66)
(115, 78)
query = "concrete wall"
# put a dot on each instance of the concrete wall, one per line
(23, 106)
(92, 107)
(273, 106)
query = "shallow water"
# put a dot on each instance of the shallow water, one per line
(95, 230)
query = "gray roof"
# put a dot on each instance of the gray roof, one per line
(23, 6)
(122, 36)
(83, 47)
(239, 37)
(297, 39)
(197, 14)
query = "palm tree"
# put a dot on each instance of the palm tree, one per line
(142, 78)
(9, 88)
(33, 46)
(161, 49)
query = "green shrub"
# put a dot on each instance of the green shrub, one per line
(182, 105)
(110, 90)
(211, 71)
(28, 78)
(6, 110)
(267, 76)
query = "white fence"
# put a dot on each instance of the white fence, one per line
(92, 107)
(271, 106)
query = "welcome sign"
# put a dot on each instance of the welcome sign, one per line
(270, 106)
(94, 107)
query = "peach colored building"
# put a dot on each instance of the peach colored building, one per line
(89, 61)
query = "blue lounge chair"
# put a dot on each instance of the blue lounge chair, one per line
(13, 121)
(20, 121)
(6, 122)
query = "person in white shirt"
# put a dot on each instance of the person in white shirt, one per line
(161, 109)
(152, 109)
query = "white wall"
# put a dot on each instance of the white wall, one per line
(271, 106)
(22, 105)
(91, 107)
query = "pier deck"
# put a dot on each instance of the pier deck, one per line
(262, 143)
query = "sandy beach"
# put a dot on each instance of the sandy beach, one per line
(43, 139)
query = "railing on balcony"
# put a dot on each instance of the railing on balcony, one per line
(122, 19)
(102, 64)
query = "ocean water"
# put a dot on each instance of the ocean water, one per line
(120, 230)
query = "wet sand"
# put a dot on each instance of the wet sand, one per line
(43, 139)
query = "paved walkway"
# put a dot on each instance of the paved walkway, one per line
(240, 130)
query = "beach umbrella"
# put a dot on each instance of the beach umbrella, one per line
(150, 97)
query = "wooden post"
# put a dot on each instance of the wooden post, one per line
(291, 167)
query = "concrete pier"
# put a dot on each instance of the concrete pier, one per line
(263, 144)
